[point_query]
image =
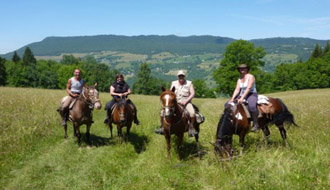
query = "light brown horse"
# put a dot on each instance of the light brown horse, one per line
(175, 120)
(82, 111)
(122, 115)
(234, 121)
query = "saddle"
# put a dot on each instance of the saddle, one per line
(71, 104)
(265, 107)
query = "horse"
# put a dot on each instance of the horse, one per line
(234, 120)
(122, 115)
(175, 120)
(82, 111)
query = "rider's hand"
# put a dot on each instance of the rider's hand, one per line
(183, 102)
(241, 100)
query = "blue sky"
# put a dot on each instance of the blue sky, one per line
(26, 21)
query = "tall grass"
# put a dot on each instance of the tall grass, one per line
(34, 155)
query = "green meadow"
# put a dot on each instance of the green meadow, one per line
(34, 154)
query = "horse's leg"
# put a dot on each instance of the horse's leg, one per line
(168, 143)
(120, 133)
(180, 142)
(88, 126)
(197, 142)
(110, 128)
(78, 134)
(241, 143)
(128, 130)
(65, 131)
(283, 132)
(266, 132)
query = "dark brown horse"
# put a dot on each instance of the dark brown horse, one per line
(122, 115)
(234, 121)
(175, 120)
(82, 111)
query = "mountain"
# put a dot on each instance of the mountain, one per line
(152, 44)
(199, 55)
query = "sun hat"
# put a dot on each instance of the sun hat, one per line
(181, 72)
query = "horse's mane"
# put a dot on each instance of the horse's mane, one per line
(225, 126)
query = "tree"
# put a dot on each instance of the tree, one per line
(236, 53)
(3, 73)
(201, 90)
(326, 48)
(317, 52)
(29, 69)
(145, 83)
(15, 58)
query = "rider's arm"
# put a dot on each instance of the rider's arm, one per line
(68, 88)
(128, 92)
(248, 89)
(192, 93)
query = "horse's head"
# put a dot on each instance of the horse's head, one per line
(168, 100)
(225, 131)
(92, 96)
(121, 108)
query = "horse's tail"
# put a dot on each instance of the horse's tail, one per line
(285, 115)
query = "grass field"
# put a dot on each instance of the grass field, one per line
(34, 155)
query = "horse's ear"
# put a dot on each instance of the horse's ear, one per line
(173, 89)
(163, 89)
(95, 85)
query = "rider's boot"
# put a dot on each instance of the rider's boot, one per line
(192, 132)
(106, 121)
(64, 117)
(254, 116)
(160, 131)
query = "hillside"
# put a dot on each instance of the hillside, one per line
(34, 154)
(199, 55)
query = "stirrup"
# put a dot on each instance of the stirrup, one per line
(159, 131)
(63, 123)
(254, 128)
(192, 132)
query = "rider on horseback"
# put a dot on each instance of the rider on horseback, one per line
(118, 89)
(74, 88)
(246, 90)
(184, 91)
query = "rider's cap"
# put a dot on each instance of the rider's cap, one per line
(181, 72)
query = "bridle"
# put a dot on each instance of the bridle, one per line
(171, 110)
(88, 100)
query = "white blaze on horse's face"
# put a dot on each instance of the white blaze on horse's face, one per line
(167, 110)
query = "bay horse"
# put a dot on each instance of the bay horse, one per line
(122, 115)
(234, 121)
(82, 111)
(175, 120)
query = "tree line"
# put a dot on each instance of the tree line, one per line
(313, 73)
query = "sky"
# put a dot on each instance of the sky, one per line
(26, 21)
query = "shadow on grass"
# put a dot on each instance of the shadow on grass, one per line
(96, 140)
(189, 149)
(139, 142)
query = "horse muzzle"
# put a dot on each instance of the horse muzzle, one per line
(98, 105)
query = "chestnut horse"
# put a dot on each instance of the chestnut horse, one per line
(122, 115)
(82, 111)
(235, 121)
(175, 120)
